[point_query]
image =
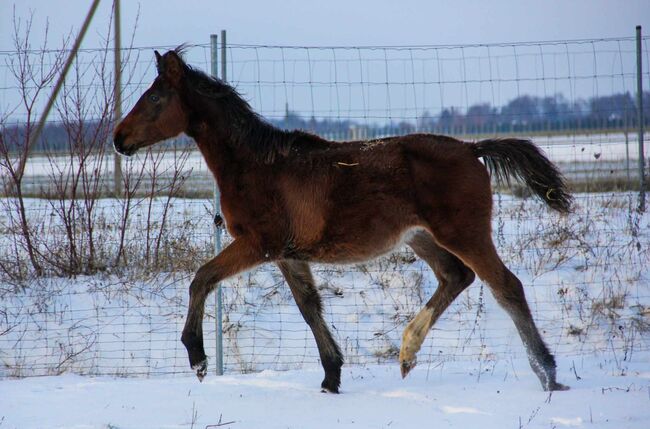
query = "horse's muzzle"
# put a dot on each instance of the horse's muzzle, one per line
(118, 143)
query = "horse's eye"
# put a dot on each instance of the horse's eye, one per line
(154, 98)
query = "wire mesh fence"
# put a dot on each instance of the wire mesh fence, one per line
(575, 98)
(586, 278)
(120, 309)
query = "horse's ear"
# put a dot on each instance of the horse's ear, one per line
(170, 67)
(158, 61)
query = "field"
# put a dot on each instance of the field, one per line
(84, 338)
(373, 396)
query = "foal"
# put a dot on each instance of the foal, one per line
(292, 198)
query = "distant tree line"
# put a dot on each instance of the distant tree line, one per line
(534, 114)
(522, 114)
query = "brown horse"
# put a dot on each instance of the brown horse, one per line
(291, 198)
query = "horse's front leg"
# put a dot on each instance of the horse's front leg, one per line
(236, 257)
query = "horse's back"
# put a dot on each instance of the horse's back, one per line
(357, 200)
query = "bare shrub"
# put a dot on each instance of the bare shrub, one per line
(32, 76)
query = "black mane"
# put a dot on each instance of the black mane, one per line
(247, 128)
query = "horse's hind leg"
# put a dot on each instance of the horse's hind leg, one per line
(511, 297)
(453, 277)
(475, 248)
(298, 276)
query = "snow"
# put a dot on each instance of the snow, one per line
(373, 396)
(586, 277)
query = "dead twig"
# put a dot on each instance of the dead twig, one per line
(219, 423)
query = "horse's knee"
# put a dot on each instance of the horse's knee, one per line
(509, 293)
(310, 305)
(311, 299)
(197, 292)
(202, 277)
(204, 281)
(457, 277)
(465, 277)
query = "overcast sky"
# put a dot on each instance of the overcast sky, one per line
(364, 23)
(338, 22)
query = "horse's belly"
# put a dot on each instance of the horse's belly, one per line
(362, 246)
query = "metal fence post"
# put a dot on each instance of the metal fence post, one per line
(117, 109)
(223, 56)
(218, 316)
(639, 102)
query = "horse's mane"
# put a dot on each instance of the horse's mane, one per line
(248, 129)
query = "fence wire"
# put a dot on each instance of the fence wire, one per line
(122, 309)
(586, 278)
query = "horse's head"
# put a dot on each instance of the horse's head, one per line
(159, 114)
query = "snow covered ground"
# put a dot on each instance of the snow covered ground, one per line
(453, 395)
(587, 279)
(586, 276)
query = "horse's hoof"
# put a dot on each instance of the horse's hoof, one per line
(558, 387)
(406, 366)
(330, 385)
(201, 369)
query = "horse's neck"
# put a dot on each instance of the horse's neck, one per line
(217, 153)
(229, 146)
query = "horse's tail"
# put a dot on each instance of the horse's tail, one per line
(524, 161)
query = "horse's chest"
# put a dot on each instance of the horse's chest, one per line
(244, 212)
(236, 217)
